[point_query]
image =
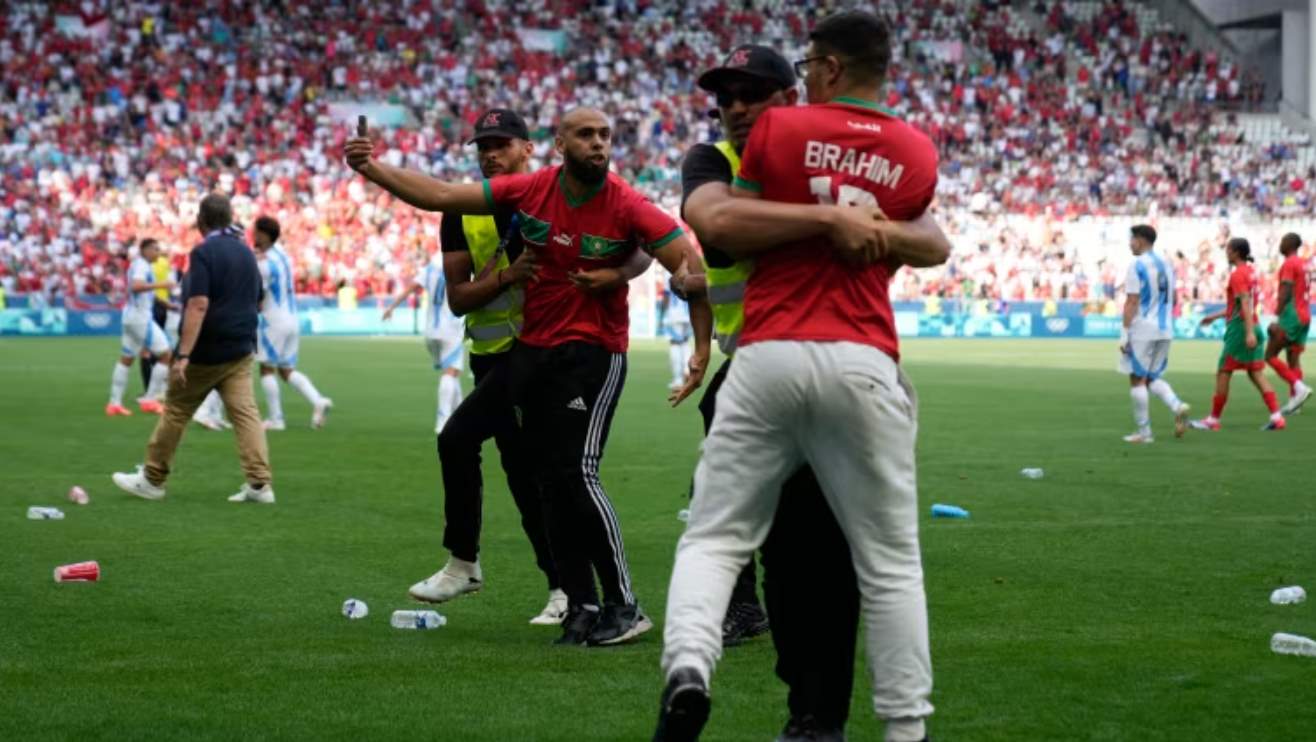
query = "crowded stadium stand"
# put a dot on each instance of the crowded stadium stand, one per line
(1058, 124)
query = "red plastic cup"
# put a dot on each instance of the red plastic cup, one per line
(80, 572)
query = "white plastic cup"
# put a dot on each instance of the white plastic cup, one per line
(354, 608)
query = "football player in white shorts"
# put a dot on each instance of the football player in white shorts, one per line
(1146, 334)
(445, 335)
(140, 330)
(278, 336)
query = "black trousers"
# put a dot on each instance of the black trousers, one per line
(159, 313)
(486, 413)
(567, 395)
(810, 591)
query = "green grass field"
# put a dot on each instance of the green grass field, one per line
(1123, 596)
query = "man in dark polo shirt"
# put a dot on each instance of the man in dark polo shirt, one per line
(217, 338)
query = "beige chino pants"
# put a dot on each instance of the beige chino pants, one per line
(233, 382)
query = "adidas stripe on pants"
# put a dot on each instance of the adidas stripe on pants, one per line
(567, 395)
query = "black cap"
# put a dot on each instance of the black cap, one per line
(750, 60)
(499, 122)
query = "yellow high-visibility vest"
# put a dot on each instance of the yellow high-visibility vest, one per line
(726, 286)
(493, 327)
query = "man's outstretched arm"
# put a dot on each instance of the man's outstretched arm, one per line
(417, 189)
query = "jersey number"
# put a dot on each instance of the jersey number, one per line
(846, 195)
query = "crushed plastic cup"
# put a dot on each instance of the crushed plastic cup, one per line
(948, 511)
(78, 495)
(1031, 473)
(79, 572)
(354, 609)
(36, 512)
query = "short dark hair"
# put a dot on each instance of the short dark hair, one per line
(1145, 232)
(862, 39)
(1290, 241)
(215, 212)
(1241, 246)
(147, 243)
(270, 226)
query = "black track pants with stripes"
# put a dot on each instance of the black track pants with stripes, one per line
(567, 395)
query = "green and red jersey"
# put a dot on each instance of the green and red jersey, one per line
(1294, 272)
(848, 152)
(600, 230)
(1242, 281)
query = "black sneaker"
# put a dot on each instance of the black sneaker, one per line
(808, 729)
(744, 621)
(578, 624)
(684, 708)
(618, 624)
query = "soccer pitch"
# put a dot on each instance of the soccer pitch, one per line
(1123, 596)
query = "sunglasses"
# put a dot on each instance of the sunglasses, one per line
(748, 96)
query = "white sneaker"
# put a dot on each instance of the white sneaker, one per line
(554, 612)
(1300, 394)
(1181, 419)
(456, 578)
(275, 425)
(1139, 438)
(321, 409)
(263, 496)
(136, 484)
(207, 422)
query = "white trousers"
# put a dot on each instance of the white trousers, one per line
(848, 411)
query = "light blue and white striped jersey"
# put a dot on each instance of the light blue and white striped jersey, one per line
(276, 275)
(139, 302)
(439, 319)
(678, 311)
(1151, 279)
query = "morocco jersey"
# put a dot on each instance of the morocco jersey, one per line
(599, 231)
(1242, 281)
(1294, 271)
(848, 152)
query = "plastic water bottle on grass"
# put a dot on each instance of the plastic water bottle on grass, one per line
(417, 620)
(1302, 646)
(40, 513)
(1288, 595)
(948, 511)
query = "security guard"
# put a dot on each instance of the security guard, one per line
(485, 268)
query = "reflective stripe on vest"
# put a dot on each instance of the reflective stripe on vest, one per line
(726, 286)
(726, 294)
(493, 327)
(493, 332)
